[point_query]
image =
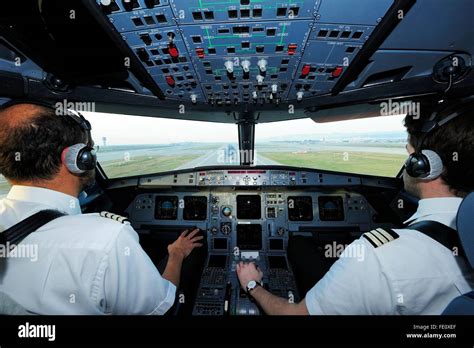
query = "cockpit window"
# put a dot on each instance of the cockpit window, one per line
(373, 146)
(4, 187)
(134, 145)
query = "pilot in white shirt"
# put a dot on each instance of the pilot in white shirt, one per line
(83, 264)
(78, 264)
(401, 271)
(381, 282)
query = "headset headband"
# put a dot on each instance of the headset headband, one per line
(435, 121)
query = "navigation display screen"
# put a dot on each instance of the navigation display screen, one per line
(331, 208)
(195, 208)
(300, 208)
(249, 237)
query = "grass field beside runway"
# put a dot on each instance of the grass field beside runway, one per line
(372, 163)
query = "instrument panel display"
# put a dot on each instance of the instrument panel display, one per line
(249, 236)
(195, 208)
(331, 208)
(300, 208)
(166, 207)
(249, 207)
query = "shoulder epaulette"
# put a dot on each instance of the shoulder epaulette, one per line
(118, 218)
(380, 236)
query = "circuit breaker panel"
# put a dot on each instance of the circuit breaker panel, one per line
(244, 51)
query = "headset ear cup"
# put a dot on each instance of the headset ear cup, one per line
(70, 156)
(87, 159)
(417, 165)
(435, 165)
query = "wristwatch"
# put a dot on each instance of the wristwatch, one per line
(252, 285)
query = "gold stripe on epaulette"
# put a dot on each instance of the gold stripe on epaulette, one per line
(373, 239)
(385, 234)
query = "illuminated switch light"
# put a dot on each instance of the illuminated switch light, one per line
(292, 49)
(306, 70)
(299, 96)
(173, 51)
(170, 81)
(200, 52)
(337, 72)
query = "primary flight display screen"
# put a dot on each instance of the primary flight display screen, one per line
(249, 237)
(331, 208)
(166, 208)
(249, 207)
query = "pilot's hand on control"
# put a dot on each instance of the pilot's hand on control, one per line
(247, 272)
(185, 243)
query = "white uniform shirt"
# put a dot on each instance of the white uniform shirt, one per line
(84, 264)
(412, 274)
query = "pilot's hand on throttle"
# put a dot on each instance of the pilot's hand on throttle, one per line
(185, 243)
(247, 272)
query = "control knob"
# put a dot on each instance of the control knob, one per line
(262, 65)
(246, 66)
(229, 65)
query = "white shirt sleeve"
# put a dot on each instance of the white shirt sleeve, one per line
(356, 284)
(132, 283)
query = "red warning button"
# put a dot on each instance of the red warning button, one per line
(173, 51)
(170, 81)
(200, 52)
(306, 70)
(292, 49)
(337, 71)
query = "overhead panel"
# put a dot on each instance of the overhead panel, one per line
(244, 51)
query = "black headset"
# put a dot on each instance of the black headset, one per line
(426, 164)
(78, 158)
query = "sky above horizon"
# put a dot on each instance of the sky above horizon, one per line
(136, 130)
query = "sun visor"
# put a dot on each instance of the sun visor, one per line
(345, 113)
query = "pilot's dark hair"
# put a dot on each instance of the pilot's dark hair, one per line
(31, 150)
(453, 142)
